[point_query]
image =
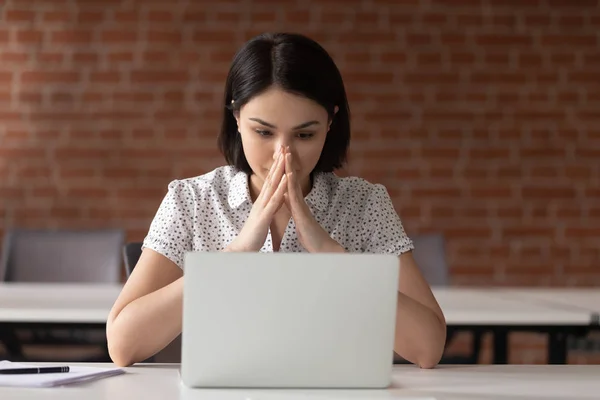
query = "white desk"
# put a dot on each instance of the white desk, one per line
(567, 298)
(495, 309)
(492, 382)
(56, 303)
(462, 306)
(81, 303)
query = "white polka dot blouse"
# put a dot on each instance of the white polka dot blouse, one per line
(206, 213)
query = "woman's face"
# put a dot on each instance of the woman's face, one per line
(277, 118)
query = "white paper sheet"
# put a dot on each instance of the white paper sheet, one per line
(76, 374)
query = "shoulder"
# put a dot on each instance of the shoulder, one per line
(201, 186)
(354, 190)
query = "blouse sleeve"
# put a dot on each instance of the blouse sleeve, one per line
(171, 230)
(385, 233)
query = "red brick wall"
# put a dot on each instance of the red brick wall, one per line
(480, 116)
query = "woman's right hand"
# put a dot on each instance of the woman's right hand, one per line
(254, 233)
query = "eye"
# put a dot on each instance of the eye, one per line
(263, 132)
(305, 135)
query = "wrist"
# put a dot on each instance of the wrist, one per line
(332, 246)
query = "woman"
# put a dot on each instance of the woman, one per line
(286, 127)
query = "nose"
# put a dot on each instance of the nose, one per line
(279, 147)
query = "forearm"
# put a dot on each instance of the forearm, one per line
(146, 325)
(420, 333)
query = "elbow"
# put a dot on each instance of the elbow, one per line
(432, 353)
(119, 351)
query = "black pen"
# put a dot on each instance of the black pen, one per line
(36, 370)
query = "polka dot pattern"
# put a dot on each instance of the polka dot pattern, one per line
(207, 212)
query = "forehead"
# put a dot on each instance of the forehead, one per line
(275, 104)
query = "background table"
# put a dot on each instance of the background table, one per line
(448, 382)
(557, 312)
(505, 310)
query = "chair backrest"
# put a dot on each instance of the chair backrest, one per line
(131, 254)
(430, 256)
(62, 255)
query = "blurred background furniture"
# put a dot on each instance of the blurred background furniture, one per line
(59, 256)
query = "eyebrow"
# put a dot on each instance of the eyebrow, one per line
(301, 126)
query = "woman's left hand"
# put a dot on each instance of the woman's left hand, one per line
(310, 233)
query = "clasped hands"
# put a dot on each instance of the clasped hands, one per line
(280, 187)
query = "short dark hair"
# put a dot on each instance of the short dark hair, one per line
(297, 65)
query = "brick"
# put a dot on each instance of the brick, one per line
(26, 37)
(62, 153)
(499, 78)
(160, 16)
(124, 57)
(166, 37)
(50, 57)
(437, 192)
(569, 40)
(85, 58)
(503, 40)
(587, 153)
(91, 17)
(491, 191)
(548, 192)
(105, 77)
(71, 37)
(440, 153)
(582, 232)
(47, 77)
(76, 172)
(570, 4)
(155, 77)
(294, 17)
(197, 16)
(13, 57)
(118, 36)
(374, 78)
(19, 16)
(432, 78)
(213, 36)
(4, 36)
(234, 17)
(527, 231)
(126, 16)
(475, 232)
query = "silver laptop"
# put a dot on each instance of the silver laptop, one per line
(288, 320)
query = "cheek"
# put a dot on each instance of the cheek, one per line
(256, 152)
(309, 154)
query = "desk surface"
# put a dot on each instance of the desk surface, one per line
(90, 303)
(568, 298)
(493, 382)
(58, 303)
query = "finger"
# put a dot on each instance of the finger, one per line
(274, 165)
(270, 184)
(276, 200)
(293, 184)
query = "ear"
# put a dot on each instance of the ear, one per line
(236, 115)
(335, 111)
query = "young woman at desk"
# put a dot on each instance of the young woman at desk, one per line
(286, 127)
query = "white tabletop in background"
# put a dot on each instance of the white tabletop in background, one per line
(493, 382)
(69, 303)
(91, 303)
(498, 307)
(569, 298)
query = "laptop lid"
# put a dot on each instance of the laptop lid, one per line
(289, 320)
